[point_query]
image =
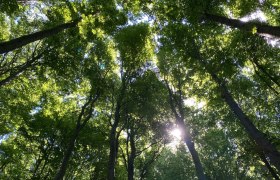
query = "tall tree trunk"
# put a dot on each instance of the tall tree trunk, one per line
(132, 156)
(79, 126)
(186, 133)
(113, 150)
(247, 26)
(26, 39)
(189, 142)
(113, 133)
(256, 135)
(264, 144)
(62, 170)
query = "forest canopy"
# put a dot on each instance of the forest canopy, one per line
(139, 89)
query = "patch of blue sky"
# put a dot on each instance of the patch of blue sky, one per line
(4, 137)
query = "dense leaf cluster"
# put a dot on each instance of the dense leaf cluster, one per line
(92, 89)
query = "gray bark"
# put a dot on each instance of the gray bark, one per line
(247, 26)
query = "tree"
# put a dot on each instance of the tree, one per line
(132, 56)
(175, 80)
(254, 27)
(13, 44)
(93, 89)
(143, 110)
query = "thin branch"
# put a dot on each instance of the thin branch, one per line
(152, 144)
(124, 158)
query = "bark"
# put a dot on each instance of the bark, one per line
(113, 134)
(62, 170)
(113, 151)
(271, 170)
(264, 144)
(256, 135)
(195, 156)
(132, 156)
(264, 79)
(247, 26)
(189, 142)
(186, 133)
(79, 126)
(26, 39)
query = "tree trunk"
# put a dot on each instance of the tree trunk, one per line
(264, 144)
(186, 133)
(146, 165)
(113, 151)
(79, 126)
(247, 26)
(26, 39)
(62, 170)
(113, 134)
(189, 142)
(257, 136)
(271, 170)
(132, 156)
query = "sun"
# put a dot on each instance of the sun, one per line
(176, 133)
(176, 138)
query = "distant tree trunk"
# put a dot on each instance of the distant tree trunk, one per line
(62, 170)
(113, 149)
(79, 126)
(264, 71)
(113, 133)
(132, 156)
(26, 39)
(257, 136)
(185, 132)
(247, 26)
(147, 164)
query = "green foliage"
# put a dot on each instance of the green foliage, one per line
(111, 52)
(134, 45)
(9, 7)
(173, 165)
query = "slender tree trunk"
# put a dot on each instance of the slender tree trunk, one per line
(37, 165)
(186, 133)
(113, 134)
(264, 144)
(247, 26)
(256, 135)
(113, 151)
(145, 167)
(62, 170)
(264, 71)
(189, 142)
(81, 122)
(26, 39)
(132, 156)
